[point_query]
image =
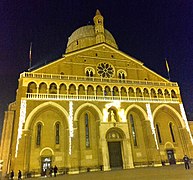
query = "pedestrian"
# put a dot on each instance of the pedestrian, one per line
(186, 162)
(12, 174)
(55, 170)
(51, 170)
(19, 175)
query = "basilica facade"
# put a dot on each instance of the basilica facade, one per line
(96, 108)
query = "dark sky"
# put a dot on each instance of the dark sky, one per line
(149, 30)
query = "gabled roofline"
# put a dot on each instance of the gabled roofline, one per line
(85, 49)
(99, 45)
(106, 45)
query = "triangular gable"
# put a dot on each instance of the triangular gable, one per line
(100, 47)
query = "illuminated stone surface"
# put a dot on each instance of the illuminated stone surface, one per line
(96, 107)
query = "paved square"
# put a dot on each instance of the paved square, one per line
(173, 172)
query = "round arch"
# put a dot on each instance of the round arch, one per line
(48, 149)
(168, 145)
(84, 105)
(41, 106)
(115, 129)
(172, 109)
(138, 107)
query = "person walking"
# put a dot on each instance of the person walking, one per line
(51, 169)
(55, 170)
(186, 162)
(12, 174)
(19, 175)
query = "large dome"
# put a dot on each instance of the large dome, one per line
(85, 37)
(90, 35)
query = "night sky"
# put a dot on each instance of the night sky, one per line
(149, 30)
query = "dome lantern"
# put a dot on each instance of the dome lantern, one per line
(99, 27)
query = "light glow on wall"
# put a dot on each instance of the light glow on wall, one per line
(105, 115)
(121, 113)
(70, 145)
(185, 121)
(116, 104)
(21, 121)
(149, 113)
(71, 130)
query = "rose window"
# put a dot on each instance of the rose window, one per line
(105, 70)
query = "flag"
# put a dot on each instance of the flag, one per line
(167, 66)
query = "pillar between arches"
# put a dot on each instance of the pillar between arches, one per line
(153, 154)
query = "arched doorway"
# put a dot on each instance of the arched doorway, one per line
(114, 141)
(46, 161)
(171, 157)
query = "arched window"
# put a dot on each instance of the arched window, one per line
(90, 90)
(173, 94)
(172, 132)
(145, 92)
(123, 91)
(160, 94)
(63, 89)
(43, 88)
(32, 87)
(153, 93)
(158, 134)
(38, 137)
(81, 90)
(107, 91)
(133, 130)
(99, 90)
(89, 71)
(57, 129)
(115, 91)
(138, 92)
(131, 92)
(166, 93)
(53, 88)
(121, 74)
(72, 89)
(87, 131)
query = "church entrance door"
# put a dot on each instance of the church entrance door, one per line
(115, 156)
(46, 165)
(171, 157)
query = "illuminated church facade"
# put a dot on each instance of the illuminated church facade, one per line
(96, 108)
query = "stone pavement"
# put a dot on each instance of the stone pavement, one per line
(173, 172)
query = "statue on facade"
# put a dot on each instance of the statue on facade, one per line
(112, 116)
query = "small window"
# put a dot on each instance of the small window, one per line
(89, 72)
(38, 137)
(87, 131)
(133, 130)
(160, 94)
(173, 94)
(172, 132)
(121, 74)
(158, 134)
(57, 133)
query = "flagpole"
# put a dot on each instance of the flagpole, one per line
(30, 56)
(168, 75)
(168, 69)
